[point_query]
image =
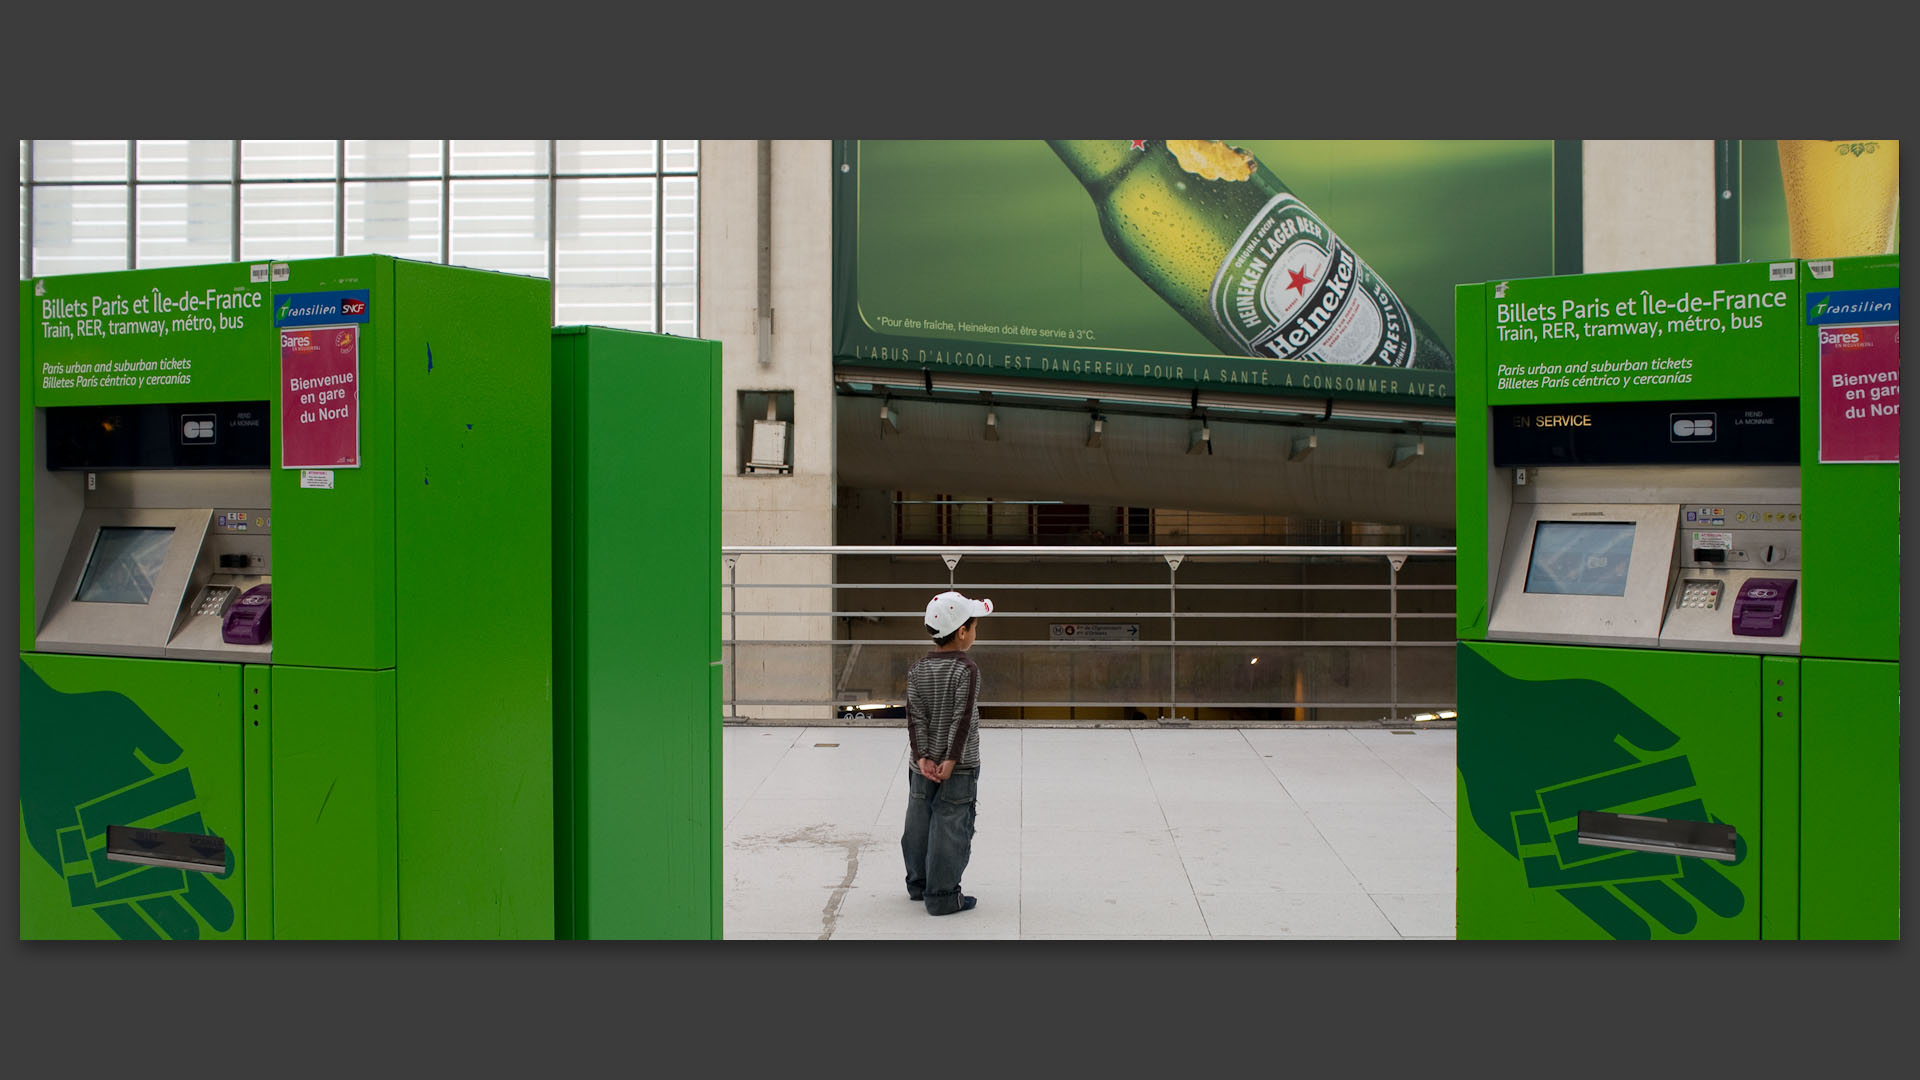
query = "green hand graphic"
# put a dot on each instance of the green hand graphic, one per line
(1548, 750)
(93, 760)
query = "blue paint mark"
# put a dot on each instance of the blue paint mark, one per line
(429, 357)
(469, 427)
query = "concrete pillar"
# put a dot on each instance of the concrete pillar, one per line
(766, 508)
(1647, 204)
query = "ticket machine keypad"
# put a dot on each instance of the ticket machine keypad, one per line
(214, 599)
(1700, 595)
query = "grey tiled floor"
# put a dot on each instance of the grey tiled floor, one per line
(1102, 833)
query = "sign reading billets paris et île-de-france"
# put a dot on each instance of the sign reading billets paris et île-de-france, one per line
(1691, 333)
(159, 336)
(1306, 268)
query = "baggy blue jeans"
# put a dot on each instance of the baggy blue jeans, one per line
(938, 839)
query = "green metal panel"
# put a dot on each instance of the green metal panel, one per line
(334, 872)
(1471, 455)
(333, 549)
(473, 570)
(256, 758)
(1780, 796)
(1546, 731)
(1851, 512)
(568, 343)
(145, 743)
(643, 569)
(1850, 800)
(28, 327)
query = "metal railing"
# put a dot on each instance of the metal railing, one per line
(1165, 635)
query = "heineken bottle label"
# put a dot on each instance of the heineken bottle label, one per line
(1291, 290)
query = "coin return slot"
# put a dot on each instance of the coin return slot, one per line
(1700, 595)
(158, 847)
(1667, 836)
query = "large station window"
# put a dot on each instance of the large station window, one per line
(613, 222)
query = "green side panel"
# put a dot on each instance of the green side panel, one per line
(333, 549)
(28, 327)
(145, 743)
(1687, 333)
(473, 574)
(1471, 455)
(715, 772)
(1780, 796)
(567, 344)
(645, 577)
(256, 757)
(1547, 731)
(1850, 800)
(334, 872)
(1851, 512)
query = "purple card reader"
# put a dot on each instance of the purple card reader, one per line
(250, 620)
(1760, 609)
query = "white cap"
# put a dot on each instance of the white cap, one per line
(949, 611)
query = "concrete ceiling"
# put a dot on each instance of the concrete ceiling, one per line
(1143, 461)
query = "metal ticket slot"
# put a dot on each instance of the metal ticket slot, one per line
(161, 517)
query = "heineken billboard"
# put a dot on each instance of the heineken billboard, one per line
(1316, 268)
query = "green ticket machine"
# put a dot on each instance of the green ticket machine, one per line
(1678, 604)
(285, 623)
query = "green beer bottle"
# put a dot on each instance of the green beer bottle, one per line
(1242, 258)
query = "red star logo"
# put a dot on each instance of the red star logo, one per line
(1299, 281)
(1138, 144)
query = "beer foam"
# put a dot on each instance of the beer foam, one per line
(1211, 159)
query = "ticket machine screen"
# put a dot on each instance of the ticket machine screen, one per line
(1580, 558)
(123, 565)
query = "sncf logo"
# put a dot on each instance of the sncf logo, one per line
(1692, 427)
(351, 306)
(197, 428)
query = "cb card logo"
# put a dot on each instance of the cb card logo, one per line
(1692, 427)
(198, 429)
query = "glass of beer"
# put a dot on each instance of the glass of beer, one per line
(1843, 196)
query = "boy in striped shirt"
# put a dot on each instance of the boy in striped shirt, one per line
(943, 734)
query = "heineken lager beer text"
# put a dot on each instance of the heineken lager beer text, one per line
(1248, 264)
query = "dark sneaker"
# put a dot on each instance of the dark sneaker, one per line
(916, 896)
(966, 904)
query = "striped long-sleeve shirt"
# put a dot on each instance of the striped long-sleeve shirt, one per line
(943, 708)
